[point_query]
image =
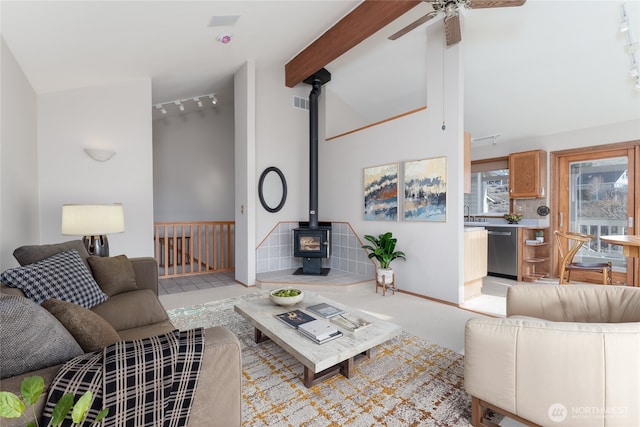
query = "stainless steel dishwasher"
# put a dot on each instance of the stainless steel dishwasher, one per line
(503, 252)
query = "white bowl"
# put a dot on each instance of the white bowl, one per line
(285, 301)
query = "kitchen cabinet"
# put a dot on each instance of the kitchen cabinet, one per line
(475, 261)
(534, 256)
(528, 174)
(467, 163)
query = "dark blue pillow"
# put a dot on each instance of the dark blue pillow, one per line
(62, 276)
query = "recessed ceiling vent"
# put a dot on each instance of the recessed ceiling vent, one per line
(223, 20)
(300, 103)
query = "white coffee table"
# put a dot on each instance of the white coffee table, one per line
(320, 361)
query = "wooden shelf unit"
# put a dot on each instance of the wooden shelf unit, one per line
(534, 259)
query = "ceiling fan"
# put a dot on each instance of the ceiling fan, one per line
(450, 8)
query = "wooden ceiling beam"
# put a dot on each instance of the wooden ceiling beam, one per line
(366, 19)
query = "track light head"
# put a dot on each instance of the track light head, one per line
(624, 26)
(214, 99)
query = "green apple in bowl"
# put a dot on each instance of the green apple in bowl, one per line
(286, 296)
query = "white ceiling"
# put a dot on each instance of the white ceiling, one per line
(545, 67)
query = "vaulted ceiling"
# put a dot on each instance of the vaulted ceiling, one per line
(543, 68)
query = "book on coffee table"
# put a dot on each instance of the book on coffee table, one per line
(295, 318)
(331, 337)
(319, 331)
(325, 310)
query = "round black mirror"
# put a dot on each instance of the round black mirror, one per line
(272, 189)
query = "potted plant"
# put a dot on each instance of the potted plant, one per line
(382, 248)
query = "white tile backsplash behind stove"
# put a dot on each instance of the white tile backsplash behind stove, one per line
(276, 251)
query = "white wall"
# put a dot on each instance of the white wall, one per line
(193, 171)
(117, 117)
(282, 140)
(19, 207)
(601, 135)
(244, 82)
(434, 249)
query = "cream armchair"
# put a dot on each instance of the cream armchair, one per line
(565, 356)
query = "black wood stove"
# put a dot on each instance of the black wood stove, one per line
(312, 241)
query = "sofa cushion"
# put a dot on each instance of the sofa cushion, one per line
(132, 310)
(31, 338)
(62, 276)
(29, 254)
(114, 275)
(91, 331)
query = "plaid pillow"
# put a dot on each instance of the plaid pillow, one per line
(62, 276)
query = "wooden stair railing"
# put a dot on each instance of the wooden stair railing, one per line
(188, 248)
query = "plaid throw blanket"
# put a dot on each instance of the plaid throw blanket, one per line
(148, 382)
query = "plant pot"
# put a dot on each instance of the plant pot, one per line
(385, 275)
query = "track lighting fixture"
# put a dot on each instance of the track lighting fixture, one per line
(180, 103)
(631, 47)
(484, 138)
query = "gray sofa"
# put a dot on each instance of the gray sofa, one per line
(137, 313)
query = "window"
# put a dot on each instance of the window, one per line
(489, 188)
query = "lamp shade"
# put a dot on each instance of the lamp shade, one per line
(92, 220)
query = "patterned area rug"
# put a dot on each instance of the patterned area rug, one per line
(407, 382)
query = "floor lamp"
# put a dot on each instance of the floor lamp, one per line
(93, 222)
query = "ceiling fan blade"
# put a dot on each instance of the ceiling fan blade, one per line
(482, 4)
(452, 29)
(413, 25)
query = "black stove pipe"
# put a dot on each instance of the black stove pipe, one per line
(316, 81)
(313, 155)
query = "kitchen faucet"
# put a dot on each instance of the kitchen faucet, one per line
(467, 214)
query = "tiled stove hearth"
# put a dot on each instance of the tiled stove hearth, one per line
(275, 252)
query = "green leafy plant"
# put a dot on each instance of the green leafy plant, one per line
(383, 249)
(31, 388)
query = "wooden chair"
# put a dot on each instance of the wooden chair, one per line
(574, 241)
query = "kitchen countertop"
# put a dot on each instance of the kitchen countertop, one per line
(499, 222)
(472, 228)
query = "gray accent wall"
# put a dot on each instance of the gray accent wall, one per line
(193, 166)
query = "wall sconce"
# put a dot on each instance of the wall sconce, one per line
(93, 222)
(99, 155)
